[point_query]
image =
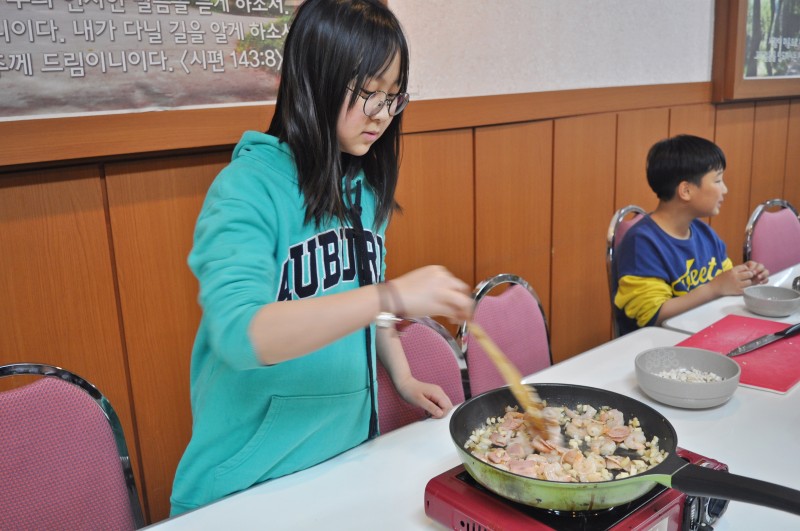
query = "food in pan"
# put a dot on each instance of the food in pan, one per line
(600, 446)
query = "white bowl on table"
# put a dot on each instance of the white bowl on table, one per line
(651, 366)
(771, 301)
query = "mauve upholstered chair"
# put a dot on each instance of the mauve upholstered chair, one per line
(515, 321)
(622, 220)
(432, 355)
(64, 463)
(772, 235)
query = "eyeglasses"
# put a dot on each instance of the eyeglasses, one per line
(375, 101)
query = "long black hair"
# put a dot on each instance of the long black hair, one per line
(333, 44)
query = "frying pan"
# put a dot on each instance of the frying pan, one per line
(673, 472)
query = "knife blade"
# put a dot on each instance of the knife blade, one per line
(764, 340)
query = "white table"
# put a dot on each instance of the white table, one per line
(381, 484)
(709, 313)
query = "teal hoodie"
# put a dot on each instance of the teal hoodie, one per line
(252, 247)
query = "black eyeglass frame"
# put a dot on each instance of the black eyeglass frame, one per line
(366, 95)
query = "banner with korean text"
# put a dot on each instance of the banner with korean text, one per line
(78, 57)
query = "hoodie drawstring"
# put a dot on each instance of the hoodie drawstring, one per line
(364, 279)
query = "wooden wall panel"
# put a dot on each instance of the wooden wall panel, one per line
(140, 132)
(513, 187)
(637, 131)
(791, 183)
(59, 304)
(769, 151)
(436, 193)
(697, 120)
(153, 207)
(583, 167)
(734, 134)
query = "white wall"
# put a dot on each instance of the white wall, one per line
(483, 47)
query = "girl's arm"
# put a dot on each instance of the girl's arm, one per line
(429, 397)
(285, 330)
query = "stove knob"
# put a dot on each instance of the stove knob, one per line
(691, 514)
(716, 508)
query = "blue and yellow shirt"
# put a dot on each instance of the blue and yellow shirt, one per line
(653, 267)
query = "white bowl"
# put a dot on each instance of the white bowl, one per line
(771, 301)
(693, 395)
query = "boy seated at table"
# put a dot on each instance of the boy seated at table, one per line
(671, 261)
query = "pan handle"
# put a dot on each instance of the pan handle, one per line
(697, 480)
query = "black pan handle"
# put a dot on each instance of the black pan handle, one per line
(697, 480)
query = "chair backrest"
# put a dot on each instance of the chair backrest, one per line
(621, 222)
(63, 459)
(772, 237)
(432, 354)
(515, 321)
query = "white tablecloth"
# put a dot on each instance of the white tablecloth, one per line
(381, 484)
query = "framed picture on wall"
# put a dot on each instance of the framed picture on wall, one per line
(756, 49)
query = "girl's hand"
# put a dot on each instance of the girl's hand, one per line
(431, 291)
(428, 396)
(760, 273)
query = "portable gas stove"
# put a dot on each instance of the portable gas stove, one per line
(459, 502)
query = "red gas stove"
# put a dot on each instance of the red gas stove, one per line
(460, 503)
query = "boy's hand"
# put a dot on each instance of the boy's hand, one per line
(760, 273)
(734, 280)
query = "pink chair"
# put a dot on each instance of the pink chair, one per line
(621, 222)
(63, 459)
(432, 356)
(772, 237)
(515, 321)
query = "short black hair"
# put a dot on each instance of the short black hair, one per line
(681, 158)
(333, 45)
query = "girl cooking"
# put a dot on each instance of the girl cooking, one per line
(289, 252)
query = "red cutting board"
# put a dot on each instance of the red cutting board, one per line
(774, 367)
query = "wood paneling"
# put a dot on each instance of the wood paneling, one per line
(791, 184)
(437, 195)
(637, 131)
(122, 134)
(153, 207)
(697, 120)
(491, 110)
(769, 151)
(734, 134)
(513, 187)
(583, 167)
(59, 304)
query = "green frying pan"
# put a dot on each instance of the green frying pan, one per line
(673, 472)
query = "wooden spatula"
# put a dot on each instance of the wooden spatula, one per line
(526, 395)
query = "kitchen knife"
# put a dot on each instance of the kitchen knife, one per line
(764, 340)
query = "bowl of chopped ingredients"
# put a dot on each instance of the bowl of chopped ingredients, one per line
(687, 377)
